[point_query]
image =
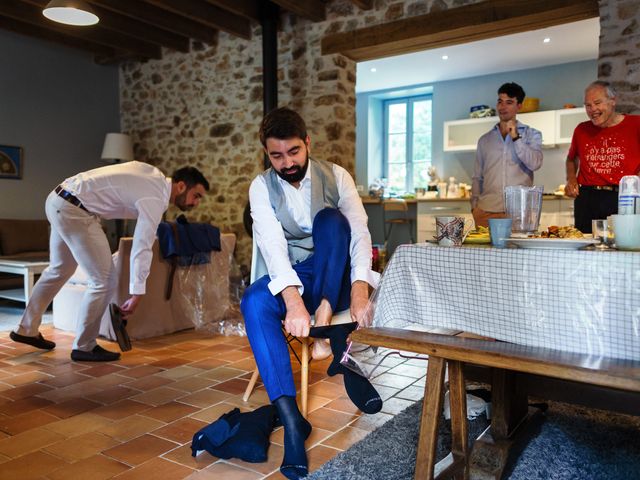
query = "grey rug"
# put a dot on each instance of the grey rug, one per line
(570, 443)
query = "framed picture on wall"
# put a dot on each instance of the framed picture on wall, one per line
(10, 162)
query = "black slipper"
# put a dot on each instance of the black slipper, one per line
(119, 327)
(38, 342)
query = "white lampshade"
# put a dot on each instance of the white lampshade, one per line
(70, 12)
(117, 146)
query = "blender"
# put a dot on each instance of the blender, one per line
(523, 205)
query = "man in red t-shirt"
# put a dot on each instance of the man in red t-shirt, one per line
(603, 150)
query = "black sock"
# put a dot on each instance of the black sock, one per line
(359, 389)
(296, 430)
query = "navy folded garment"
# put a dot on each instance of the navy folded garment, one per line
(190, 243)
(238, 435)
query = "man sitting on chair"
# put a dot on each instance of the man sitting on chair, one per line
(311, 228)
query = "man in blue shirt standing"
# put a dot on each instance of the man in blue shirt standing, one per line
(507, 155)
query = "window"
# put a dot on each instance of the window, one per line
(407, 134)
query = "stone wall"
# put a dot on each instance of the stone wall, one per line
(203, 107)
(619, 59)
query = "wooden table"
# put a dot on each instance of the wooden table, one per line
(28, 269)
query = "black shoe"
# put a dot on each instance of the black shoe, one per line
(119, 328)
(38, 342)
(98, 354)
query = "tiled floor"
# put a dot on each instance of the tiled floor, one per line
(134, 419)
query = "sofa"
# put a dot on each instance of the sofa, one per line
(155, 314)
(22, 240)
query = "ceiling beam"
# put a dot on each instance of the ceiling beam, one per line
(133, 28)
(363, 4)
(207, 14)
(31, 14)
(22, 28)
(313, 10)
(489, 19)
(245, 8)
(160, 18)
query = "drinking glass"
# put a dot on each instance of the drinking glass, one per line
(600, 231)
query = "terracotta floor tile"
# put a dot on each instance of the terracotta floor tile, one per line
(68, 378)
(25, 378)
(343, 404)
(103, 369)
(319, 455)
(211, 414)
(158, 396)
(181, 431)
(205, 398)
(30, 466)
(97, 467)
(130, 427)
(274, 460)
(26, 421)
(82, 446)
(331, 420)
(195, 356)
(316, 437)
(25, 391)
(248, 364)
(222, 373)
(345, 438)
(71, 407)
(113, 394)
(77, 425)
(222, 470)
(181, 372)
(158, 469)
(327, 390)
(13, 408)
(170, 362)
(141, 449)
(148, 383)
(182, 455)
(233, 386)
(315, 402)
(208, 363)
(26, 442)
(121, 409)
(170, 411)
(192, 384)
(141, 371)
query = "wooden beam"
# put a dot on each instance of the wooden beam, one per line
(245, 8)
(311, 9)
(492, 18)
(133, 28)
(207, 14)
(13, 25)
(160, 18)
(33, 15)
(363, 4)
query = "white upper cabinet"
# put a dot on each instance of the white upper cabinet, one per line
(566, 121)
(556, 127)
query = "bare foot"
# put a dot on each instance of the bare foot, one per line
(321, 349)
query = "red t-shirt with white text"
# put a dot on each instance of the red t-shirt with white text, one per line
(607, 154)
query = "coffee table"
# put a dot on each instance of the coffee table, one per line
(28, 269)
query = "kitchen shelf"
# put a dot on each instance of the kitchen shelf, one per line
(566, 122)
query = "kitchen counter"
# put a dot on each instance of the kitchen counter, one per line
(376, 201)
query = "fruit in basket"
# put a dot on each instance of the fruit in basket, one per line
(478, 235)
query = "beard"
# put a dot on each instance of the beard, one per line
(181, 202)
(295, 173)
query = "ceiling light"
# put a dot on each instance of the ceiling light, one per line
(374, 69)
(445, 57)
(70, 12)
(546, 40)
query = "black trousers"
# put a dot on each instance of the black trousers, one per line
(593, 205)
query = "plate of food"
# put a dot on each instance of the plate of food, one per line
(478, 236)
(555, 238)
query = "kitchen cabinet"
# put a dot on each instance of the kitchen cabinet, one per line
(556, 127)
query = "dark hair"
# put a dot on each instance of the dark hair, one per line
(282, 123)
(512, 90)
(191, 176)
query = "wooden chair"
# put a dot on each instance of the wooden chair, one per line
(396, 212)
(259, 269)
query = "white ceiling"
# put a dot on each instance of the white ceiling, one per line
(571, 42)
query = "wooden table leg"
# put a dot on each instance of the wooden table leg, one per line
(431, 410)
(459, 427)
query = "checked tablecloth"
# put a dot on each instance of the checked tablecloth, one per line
(582, 301)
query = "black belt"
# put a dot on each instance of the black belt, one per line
(608, 188)
(69, 197)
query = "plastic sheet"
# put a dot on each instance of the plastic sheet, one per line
(209, 294)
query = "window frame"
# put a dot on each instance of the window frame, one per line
(409, 101)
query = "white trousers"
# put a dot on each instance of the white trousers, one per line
(76, 238)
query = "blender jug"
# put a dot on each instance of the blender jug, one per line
(523, 205)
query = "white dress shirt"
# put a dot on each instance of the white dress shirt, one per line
(127, 190)
(273, 244)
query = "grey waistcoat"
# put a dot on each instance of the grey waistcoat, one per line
(324, 193)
